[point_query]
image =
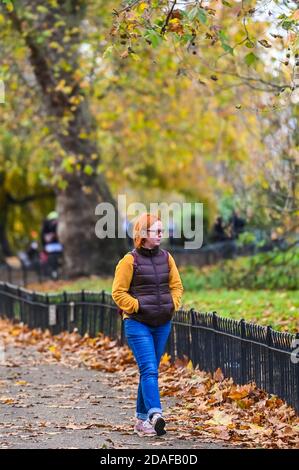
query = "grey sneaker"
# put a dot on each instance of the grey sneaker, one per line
(158, 424)
(144, 428)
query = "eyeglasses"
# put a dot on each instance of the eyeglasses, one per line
(158, 232)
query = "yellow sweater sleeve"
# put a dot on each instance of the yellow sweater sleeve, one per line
(175, 283)
(121, 284)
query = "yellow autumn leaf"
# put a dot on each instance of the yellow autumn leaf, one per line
(255, 428)
(143, 6)
(135, 57)
(220, 418)
(75, 100)
(55, 352)
(238, 394)
(9, 7)
(6, 400)
(61, 86)
(265, 184)
(72, 160)
(15, 331)
(54, 45)
(165, 359)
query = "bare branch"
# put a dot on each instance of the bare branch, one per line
(163, 29)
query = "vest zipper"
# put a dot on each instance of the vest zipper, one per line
(158, 288)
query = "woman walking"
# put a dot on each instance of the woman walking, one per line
(147, 288)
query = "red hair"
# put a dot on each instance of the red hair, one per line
(142, 224)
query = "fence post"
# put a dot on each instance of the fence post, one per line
(6, 309)
(65, 315)
(46, 317)
(270, 357)
(296, 365)
(102, 311)
(84, 323)
(20, 309)
(215, 343)
(34, 309)
(243, 351)
(192, 349)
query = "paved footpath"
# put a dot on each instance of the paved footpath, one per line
(55, 406)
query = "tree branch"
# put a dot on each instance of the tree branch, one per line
(163, 29)
(33, 197)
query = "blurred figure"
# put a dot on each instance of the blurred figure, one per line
(236, 224)
(33, 249)
(49, 229)
(51, 255)
(30, 257)
(218, 231)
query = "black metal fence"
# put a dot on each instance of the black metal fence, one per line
(244, 351)
(23, 275)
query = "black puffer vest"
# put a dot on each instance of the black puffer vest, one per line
(150, 285)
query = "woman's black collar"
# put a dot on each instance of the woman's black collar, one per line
(148, 251)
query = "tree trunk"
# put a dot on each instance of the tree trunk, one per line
(80, 187)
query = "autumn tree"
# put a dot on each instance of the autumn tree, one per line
(52, 32)
(174, 96)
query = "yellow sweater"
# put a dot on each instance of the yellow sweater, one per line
(122, 280)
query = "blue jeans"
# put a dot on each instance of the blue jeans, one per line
(147, 344)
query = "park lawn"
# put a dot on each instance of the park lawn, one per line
(280, 309)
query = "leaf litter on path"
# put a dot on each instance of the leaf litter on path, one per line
(208, 406)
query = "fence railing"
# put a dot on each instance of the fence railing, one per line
(244, 351)
(22, 275)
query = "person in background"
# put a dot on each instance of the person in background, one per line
(218, 231)
(51, 255)
(236, 224)
(49, 229)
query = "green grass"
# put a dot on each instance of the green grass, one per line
(278, 308)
